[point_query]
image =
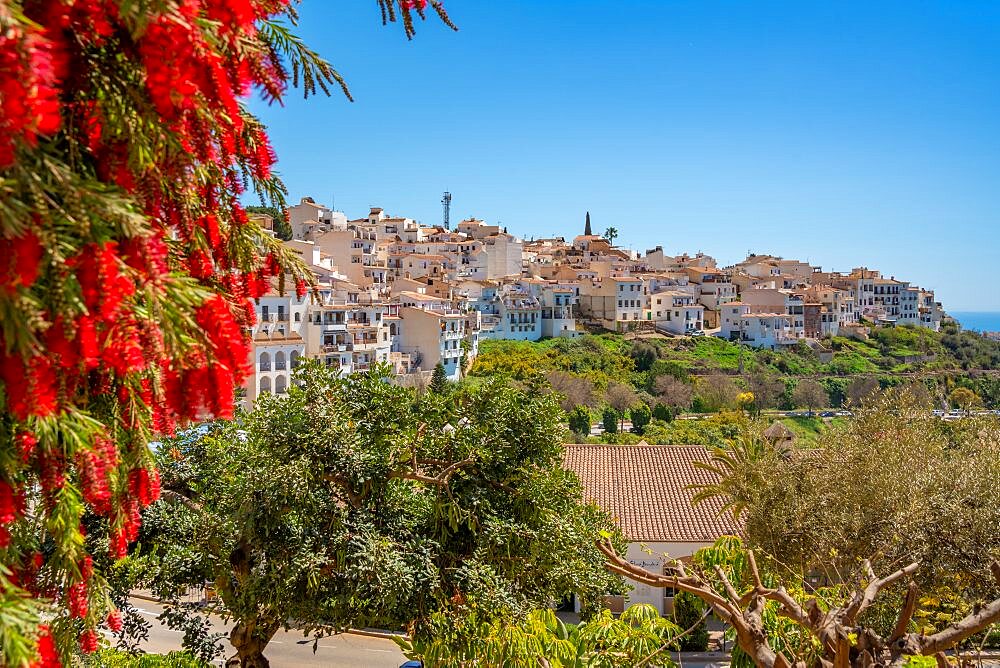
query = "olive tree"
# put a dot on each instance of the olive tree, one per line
(809, 394)
(780, 622)
(894, 484)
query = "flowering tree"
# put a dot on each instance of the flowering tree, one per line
(127, 268)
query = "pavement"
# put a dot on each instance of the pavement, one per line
(288, 649)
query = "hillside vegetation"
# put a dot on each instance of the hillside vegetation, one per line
(607, 377)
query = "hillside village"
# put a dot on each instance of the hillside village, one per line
(412, 296)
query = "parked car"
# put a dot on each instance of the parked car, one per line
(828, 414)
(698, 332)
(412, 664)
(791, 414)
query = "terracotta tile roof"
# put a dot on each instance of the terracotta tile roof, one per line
(645, 488)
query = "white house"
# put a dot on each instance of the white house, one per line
(676, 312)
(647, 489)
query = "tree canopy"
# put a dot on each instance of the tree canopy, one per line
(355, 502)
(895, 484)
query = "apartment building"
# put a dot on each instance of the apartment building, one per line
(757, 329)
(676, 312)
(618, 304)
(510, 312)
(784, 302)
(436, 335)
(279, 343)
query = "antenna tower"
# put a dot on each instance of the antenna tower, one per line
(446, 201)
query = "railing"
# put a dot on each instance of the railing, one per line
(265, 366)
(279, 366)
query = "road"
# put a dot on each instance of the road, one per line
(288, 649)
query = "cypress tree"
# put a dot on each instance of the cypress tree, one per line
(439, 381)
(586, 227)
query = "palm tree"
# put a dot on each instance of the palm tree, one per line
(738, 468)
(611, 234)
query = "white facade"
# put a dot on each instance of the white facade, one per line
(676, 312)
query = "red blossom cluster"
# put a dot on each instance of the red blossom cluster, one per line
(96, 345)
(30, 69)
(48, 655)
(114, 620)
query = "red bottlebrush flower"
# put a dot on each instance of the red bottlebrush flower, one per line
(48, 655)
(20, 258)
(147, 255)
(76, 600)
(239, 215)
(52, 470)
(103, 286)
(87, 567)
(200, 264)
(4, 537)
(123, 351)
(11, 503)
(86, 334)
(117, 545)
(144, 485)
(133, 523)
(94, 467)
(300, 288)
(271, 265)
(61, 344)
(31, 386)
(30, 68)
(114, 620)
(88, 641)
(26, 443)
(259, 285)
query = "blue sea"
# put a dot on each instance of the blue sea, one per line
(981, 321)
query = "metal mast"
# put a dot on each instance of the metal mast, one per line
(446, 200)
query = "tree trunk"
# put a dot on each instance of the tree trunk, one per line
(249, 639)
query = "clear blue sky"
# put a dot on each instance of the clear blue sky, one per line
(844, 133)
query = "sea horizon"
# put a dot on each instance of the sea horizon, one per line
(981, 321)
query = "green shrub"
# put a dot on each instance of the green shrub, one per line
(641, 416)
(610, 420)
(579, 421)
(663, 412)
(688, 610)
(112, 658)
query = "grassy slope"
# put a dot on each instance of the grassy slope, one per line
(605, 357)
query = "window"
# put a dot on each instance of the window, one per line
(298, 317)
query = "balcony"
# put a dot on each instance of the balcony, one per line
(335, 348)
(265, 366)
(362, 345)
